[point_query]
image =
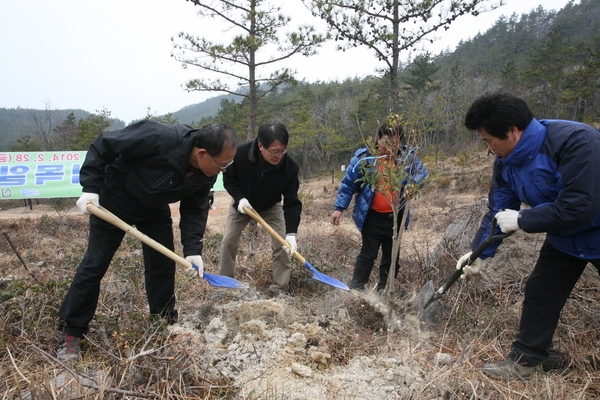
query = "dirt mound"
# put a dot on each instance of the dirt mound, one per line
(279, 349)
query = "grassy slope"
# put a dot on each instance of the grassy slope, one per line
(126, 356)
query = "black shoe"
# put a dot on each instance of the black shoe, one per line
(360, 288)
(556, 360)
(170, 318)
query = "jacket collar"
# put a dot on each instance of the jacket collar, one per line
(528, 146)
(180, 156)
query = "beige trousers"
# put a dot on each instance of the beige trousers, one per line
(236, 222)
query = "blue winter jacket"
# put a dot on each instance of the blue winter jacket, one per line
(554, 169)
(351, 184)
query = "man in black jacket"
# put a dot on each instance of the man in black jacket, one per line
(262, 174)
(135, 173)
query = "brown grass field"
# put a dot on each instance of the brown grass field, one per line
(316, 343)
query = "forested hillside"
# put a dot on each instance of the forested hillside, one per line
(24, 129)
(550, 58)
(193, 113)
(17, 122)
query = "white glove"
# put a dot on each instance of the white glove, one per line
(468, 269)
(291, 239)
(243, 202)
(508, 220)
(197, 262)
(85, 199)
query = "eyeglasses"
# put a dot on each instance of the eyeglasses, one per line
(276, 153)
(221, 167)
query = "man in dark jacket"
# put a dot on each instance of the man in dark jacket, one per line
(552, 167)
(135, 173)
(262, 174)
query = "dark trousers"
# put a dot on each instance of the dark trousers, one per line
(79, 305)
(546, 292)
(377, 232)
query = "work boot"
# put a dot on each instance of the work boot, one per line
(69, 348)
(508, 370)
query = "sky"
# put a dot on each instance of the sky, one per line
(115, 55)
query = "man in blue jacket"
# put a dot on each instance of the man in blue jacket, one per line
(373, 212)
(135, 173)
(552, 167)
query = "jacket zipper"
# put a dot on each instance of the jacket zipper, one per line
(163, 179)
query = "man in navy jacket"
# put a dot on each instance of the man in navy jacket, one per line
(551, 166)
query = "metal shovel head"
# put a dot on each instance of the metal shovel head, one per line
(321, 277)
(431, 310)
(222, 281)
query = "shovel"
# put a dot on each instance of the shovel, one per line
(317, 275)
(214, 280)
(431, 309)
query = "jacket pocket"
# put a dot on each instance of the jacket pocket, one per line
(164, 182)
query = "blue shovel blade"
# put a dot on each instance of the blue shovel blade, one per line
(222, 281)
(321, 277)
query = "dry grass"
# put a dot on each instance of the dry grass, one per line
(127, 356)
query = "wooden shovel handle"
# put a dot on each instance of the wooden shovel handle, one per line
(272, 231)
(109, 217)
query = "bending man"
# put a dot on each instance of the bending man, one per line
(135, 173)
(551, 166)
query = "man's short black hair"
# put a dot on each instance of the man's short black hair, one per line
(214, 138)
(497, 112)
(269, 133)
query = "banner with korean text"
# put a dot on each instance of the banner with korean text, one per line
(46, 175)
(40, 175)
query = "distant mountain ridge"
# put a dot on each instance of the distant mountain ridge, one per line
(193, 113)
(18, 122)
